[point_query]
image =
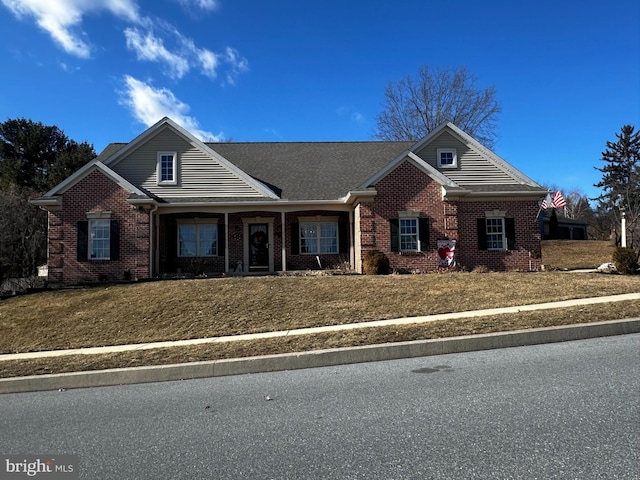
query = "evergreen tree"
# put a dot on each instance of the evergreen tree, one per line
(621, 182)
(33, 159)
(37, 156)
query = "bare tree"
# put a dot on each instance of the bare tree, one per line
(414, 107)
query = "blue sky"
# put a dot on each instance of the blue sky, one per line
(566, 73)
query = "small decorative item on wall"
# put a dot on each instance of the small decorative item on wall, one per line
(446, 253)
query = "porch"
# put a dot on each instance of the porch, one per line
(250, 242)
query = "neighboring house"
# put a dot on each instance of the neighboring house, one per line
(568, 228)
(167, 203)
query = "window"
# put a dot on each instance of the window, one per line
(166, 170)
(318, 237)
(197, 239)
(495, 234)
(99, 239)
(408, 234)
(447, 158)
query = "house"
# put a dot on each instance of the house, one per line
(568, 228)
(167, 203)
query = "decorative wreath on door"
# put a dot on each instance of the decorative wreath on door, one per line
(259, 239)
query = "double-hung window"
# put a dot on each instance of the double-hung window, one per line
(99, 239)
(409, 234)
(318, 237)
(496, 231)
(167, 168)
(197, 239)
(495, 234)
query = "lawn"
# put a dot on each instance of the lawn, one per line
(184, 309)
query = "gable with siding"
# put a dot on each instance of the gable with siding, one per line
(199, 174)
(473, 168)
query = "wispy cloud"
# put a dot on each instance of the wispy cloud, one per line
(354, 116)
(149, 104)
(149, 47)
(61, 19)
(207, 5)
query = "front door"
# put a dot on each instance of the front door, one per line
(259, 248)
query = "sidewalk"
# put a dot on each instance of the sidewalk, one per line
(314, 330)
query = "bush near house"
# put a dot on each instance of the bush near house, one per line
(625, 260)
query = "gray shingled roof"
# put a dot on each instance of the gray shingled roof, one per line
(311, 171)
(315, 170)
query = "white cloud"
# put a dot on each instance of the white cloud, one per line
(238, 64)
(149, 47)
(61, 18)
(149, 104)
(208, 5)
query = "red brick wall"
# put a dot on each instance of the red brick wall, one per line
(525, 256)
(97, 193)
(408, 188)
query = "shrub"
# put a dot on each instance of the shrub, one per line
(625, 260)
(375, 263)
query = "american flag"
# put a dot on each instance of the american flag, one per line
(557, 201)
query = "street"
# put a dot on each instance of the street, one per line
(569, 410)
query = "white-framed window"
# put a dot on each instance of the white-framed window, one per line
(447, 158)
(318, 237)
(408, 234)
(496, 239)
(167, 168)
(99, 239)
(197, 239)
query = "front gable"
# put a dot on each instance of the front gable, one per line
(200, 172)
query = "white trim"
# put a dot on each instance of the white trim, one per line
(418, 162)
(503, 233)
(84, 172)
(197, 222)
(454, 156)
(317, 220)
(166, 122)
(174, 168)
(471, 142)
(92, 221)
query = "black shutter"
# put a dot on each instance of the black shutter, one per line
(510, 231)
(343, 237)
(295, 238)
(423, 230)
(82, 245)
(221, 240)
(114, 243)
(394, 226)
(482, 234)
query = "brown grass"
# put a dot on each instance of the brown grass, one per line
(183, 309)
(576, 254)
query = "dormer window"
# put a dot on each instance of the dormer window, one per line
(167, 168)
(447, 158)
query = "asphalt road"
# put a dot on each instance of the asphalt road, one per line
(566, 411)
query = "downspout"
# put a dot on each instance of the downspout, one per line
(352, 247)
(283, 241)
(226, 241)
(151, 249)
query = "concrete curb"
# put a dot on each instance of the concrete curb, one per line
(318, 358)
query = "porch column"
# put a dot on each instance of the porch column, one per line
(352, 250)
(283, 242)
(226, 242)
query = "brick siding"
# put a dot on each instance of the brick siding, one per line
(97, 193)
